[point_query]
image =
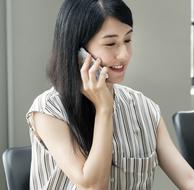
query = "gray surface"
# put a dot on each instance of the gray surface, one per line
(161, 60)
(3, 90)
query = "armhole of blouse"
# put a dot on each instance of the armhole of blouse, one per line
(32, 126)
(158, 115)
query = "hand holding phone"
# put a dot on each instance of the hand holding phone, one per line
(82, 56)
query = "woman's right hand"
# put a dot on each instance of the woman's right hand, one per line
(96, 90)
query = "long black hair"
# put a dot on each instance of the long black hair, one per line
(77, 22)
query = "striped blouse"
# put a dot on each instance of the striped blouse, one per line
(135, 121)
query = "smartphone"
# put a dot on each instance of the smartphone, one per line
(82, 56)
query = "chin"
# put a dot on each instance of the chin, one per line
(113, 81)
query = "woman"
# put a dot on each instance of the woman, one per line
(89, 133)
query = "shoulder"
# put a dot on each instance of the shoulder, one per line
(141, 103)
(127, 92)
(50, 96)
(132, 94)
(49, 102)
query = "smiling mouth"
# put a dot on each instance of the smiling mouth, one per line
(117, 68)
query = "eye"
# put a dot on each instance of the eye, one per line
(110, 44)
(128, 41)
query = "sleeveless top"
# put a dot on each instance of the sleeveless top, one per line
(135, 121)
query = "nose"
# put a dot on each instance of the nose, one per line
(124, 53)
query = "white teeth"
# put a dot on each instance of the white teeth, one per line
(117, 66)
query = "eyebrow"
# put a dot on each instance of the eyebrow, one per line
(115, 35)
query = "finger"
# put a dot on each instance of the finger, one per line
(93, 70)
(103, 76)
(85, 67)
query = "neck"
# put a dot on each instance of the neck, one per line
(110, 87)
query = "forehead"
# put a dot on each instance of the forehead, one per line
(113, 26)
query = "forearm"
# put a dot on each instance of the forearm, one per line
(97, 166)
(189, 182)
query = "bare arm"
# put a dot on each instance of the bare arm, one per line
(91, 173)
(86, 173)
(172, 162)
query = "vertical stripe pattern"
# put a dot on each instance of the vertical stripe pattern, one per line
(135, 122)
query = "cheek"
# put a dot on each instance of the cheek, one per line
(107, 57)
(130, 54)
(130, 51)
(108, 60)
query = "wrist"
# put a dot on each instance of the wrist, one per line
(104, 110)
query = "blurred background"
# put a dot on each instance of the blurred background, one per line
(160, 67)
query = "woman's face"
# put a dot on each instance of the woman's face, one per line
(113, 45)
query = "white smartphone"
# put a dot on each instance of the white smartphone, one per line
(82, 56)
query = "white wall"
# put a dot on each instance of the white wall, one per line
(161, 59)
(32, 32)
(160, 64)
(30, 26)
